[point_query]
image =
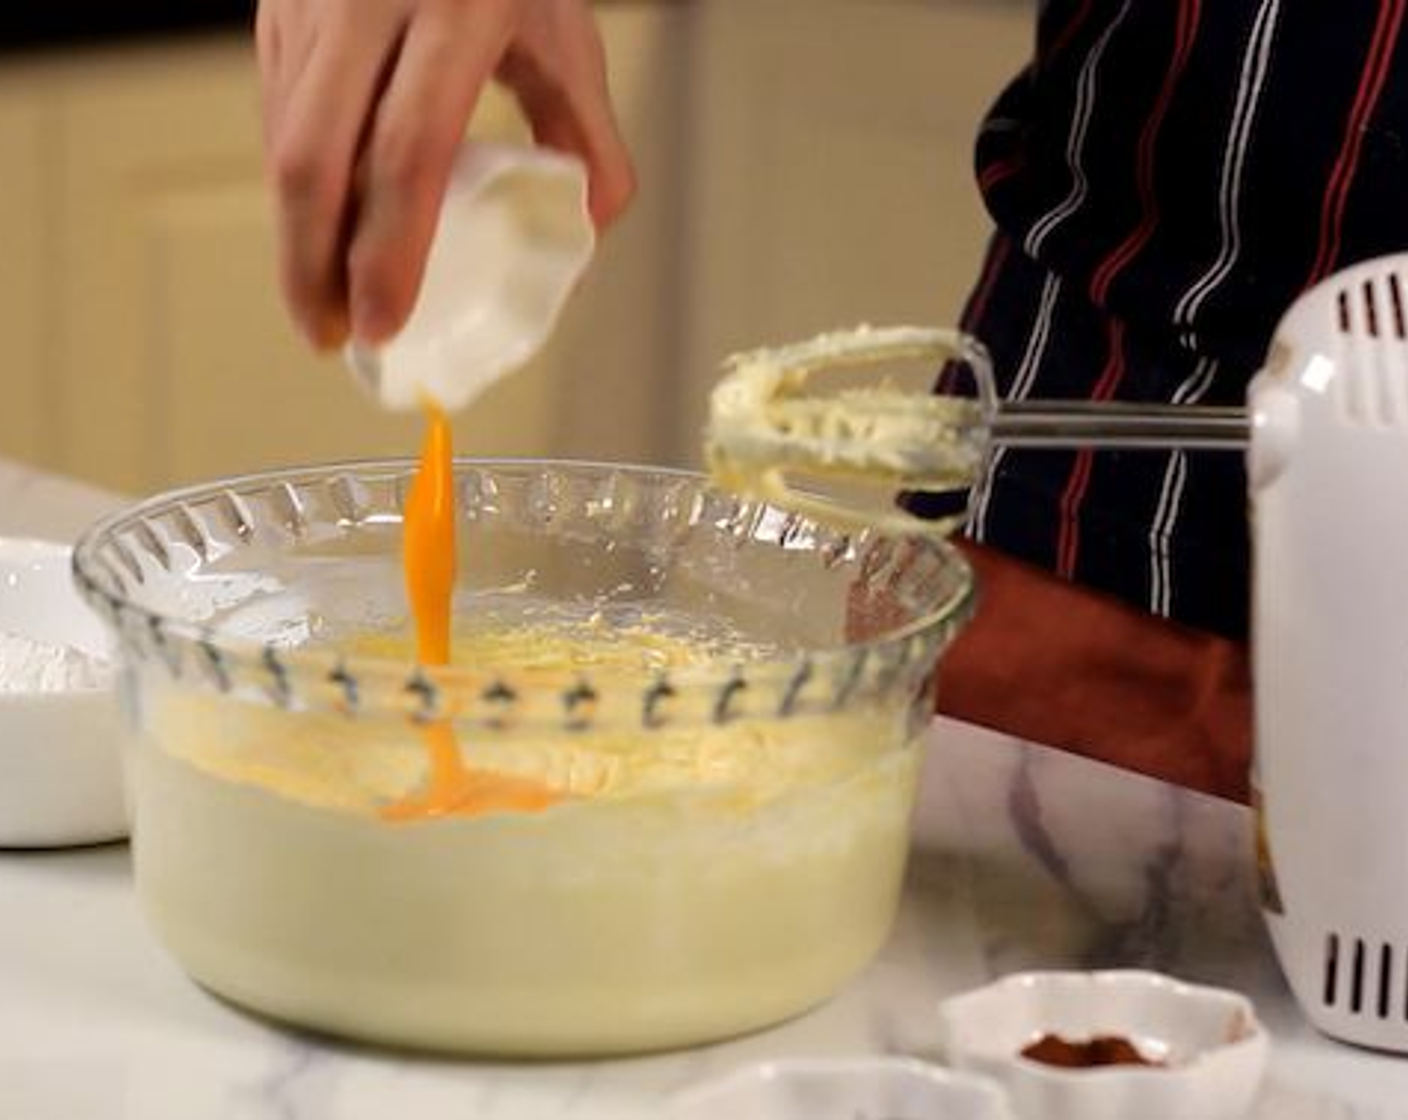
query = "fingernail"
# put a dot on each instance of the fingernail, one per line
(369, 321)
(332, 331)
(312, 332)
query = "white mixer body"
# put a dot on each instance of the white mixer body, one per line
(1328, 469)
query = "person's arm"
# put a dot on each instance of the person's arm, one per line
(364, 104)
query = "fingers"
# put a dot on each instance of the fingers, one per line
(315, 128)
(449, 52)
(364, 106)
(283, 38)
(268, 43)
(558, 72)
(571, 126)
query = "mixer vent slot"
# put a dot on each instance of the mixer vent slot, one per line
(1371, 386)
(1362, 977)
(1380, 308)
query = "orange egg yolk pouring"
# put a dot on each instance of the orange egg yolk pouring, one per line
(428, 560)
(429, 546)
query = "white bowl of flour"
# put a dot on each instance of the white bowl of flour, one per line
(60, 775)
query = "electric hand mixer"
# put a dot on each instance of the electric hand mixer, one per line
(1326, 436)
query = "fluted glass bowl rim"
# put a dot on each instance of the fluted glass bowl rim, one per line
(170, 637)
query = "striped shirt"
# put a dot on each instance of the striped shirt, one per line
(1165, 178)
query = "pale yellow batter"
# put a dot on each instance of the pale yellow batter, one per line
(691, 883)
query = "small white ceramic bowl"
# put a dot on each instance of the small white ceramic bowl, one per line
(1210, 1045)
(513, 238)
(60, 776)
(878, 1088)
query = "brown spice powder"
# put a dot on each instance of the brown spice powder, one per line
(1102, 1050)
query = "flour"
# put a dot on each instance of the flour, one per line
(30, 666)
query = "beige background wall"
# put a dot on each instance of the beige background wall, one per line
(803, 163)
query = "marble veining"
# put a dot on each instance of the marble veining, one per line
(1023, 857)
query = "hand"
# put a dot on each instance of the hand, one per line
(364, 105)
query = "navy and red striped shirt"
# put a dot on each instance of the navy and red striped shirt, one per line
(1165, 178)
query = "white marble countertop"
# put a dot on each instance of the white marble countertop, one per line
(1023, 857)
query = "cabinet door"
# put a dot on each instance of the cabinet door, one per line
(803, 165)
(25, 276)
(175, 356)
(833, 178)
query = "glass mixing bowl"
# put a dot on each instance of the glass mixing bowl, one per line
(725, 701)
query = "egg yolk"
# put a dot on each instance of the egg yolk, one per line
(428, 560)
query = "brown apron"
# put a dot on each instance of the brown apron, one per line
(1058, 664)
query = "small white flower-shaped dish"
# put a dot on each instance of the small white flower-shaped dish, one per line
(1210, 1049)
(60, 774)
(872, 1088)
